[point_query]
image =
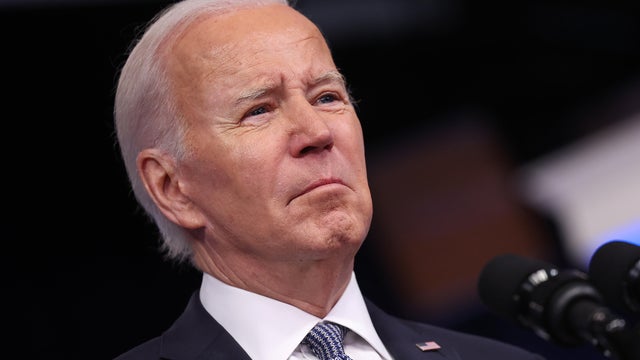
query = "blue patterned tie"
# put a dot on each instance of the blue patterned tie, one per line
(325, 340)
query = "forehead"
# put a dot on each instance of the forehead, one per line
(244, 28)
(219, 42)
(234, 46)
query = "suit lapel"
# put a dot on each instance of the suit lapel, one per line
(196, 335)
(400, 337)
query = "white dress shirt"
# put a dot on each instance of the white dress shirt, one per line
(268, 329)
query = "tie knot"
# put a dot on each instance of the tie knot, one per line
(325, 340)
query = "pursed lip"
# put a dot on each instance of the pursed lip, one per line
(318, 183)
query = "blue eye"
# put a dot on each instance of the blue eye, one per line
(257, 111)
(327, 98)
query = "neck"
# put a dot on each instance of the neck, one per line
(313, 286)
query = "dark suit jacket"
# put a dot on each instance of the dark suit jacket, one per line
(196, 335)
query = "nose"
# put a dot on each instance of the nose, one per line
(310, 130)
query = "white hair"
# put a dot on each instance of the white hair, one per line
(145, 112)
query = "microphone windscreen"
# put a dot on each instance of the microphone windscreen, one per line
(501, 278)
(609, 269)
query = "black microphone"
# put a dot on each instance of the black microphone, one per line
(615, 270)
(559, 306)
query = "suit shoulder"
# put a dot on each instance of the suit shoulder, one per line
(471, 345)
(400, 334)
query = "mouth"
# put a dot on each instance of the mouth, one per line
(317, 184)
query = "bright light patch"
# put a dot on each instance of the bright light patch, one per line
(591, 189)
(629, 233)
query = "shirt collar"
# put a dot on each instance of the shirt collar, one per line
(271, 330)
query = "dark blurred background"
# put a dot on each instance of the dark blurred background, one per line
(467, 107)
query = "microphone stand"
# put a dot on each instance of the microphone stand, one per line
(608, 332)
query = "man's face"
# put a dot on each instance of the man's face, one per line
(276, 163)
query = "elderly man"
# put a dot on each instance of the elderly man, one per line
(241, 141)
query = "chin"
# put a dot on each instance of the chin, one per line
(350, 235)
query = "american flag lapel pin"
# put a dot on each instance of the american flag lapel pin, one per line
(428, 346)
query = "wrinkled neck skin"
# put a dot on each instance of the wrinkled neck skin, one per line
(312, 285)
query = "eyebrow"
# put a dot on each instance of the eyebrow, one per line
(331, 76)
(253, 94)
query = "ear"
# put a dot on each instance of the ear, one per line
(160, 177)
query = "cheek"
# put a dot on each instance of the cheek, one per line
(209, 167)
(203, 181)
(254, 169)
(354, 145)
(255, 155)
